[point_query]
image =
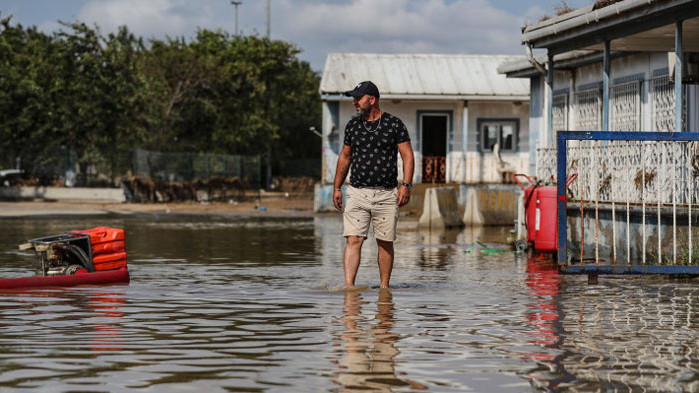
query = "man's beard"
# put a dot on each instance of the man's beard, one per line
(364, 112)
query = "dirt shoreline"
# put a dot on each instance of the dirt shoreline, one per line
(271, 207)
(294, 206)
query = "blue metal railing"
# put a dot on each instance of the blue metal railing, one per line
(562, 138)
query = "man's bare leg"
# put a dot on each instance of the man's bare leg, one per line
(353, 253)
(385, 261)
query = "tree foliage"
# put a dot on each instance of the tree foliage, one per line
(81, 93)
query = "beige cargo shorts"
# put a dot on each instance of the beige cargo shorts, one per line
(377, 206)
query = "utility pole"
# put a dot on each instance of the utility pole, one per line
(269, 18)
(236, 4)
(271, 141)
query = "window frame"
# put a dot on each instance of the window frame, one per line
(500, 121)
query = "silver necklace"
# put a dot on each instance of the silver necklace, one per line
(377, 125)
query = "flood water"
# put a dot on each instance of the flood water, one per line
(255, 305)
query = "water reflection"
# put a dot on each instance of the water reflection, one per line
(627, 334)
(544, 309)
(436, 247)
(631, 334)
(368, 361)
(52, 335)
(107, 308)
(545, 315)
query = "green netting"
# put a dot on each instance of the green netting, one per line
(193, 167)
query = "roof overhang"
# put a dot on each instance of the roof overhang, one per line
(630, 25)
(563, 61)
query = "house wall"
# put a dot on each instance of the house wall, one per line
(465, 163)
(642, 67)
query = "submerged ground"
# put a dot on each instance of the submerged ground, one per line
(221, 303)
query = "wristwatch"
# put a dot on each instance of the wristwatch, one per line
(408, 185)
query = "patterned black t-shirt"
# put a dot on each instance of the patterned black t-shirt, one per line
(375, 150)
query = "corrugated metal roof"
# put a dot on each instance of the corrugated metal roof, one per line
(423, 75)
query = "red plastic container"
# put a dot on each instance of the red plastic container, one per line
(104, 240)
(546, 219)
(108, 247)
(109, 261)
(530, 196)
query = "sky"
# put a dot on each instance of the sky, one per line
(317, 27)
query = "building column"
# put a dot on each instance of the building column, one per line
(549, 102)
(605, 86)
(678, 76)
(464, 143)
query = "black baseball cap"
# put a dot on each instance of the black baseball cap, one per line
(362, 89)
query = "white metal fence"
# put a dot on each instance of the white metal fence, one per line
(634, 172)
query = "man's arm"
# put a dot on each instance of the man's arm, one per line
(343, 164)
(406, 154)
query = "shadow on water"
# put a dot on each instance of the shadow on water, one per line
(250, 304)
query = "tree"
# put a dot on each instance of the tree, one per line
(100, 98)
(27, 103)
(78, 92)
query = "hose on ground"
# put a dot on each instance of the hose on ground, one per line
(80, 254)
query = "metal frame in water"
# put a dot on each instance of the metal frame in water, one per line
(666, 187)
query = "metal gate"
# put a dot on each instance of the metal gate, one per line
(634, 206)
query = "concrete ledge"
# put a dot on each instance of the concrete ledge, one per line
(481, 204)
(65, 194)
(489, 205)
(441, 209)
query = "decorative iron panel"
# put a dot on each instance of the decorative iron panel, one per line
(587, 110)
(663, 104)
(546, 164)
(560, 113)
(626, 106)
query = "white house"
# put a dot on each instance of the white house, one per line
(457, 107)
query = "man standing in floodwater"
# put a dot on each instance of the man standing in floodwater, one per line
(372, 142)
